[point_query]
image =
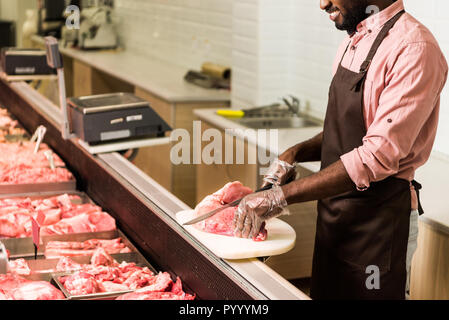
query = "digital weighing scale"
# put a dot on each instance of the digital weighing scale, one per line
(106, 122)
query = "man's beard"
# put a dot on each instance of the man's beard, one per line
(353, 17)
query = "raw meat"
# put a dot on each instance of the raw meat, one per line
(56, 249)
(24, 174)
(66, 264)
(19, 164)
(222, 222)
(93, 222)
(176, 293)
(36, 290)
(81, 283)
(13, 287)
(104, 274)
(62, 216)
(22, 153)
(155, 296)
(19, 266)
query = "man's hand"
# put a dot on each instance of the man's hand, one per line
(278, 173)
(256, 208)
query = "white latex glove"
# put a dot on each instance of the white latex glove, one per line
(278, 173)
(255, 209)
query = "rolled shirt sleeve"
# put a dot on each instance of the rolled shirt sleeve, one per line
(411, 95)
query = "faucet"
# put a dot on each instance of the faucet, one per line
(294, 105)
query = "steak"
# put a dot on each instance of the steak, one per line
(56, 249)
(104, 274)
(13, 287)
(61, 216)
(222, 222)
(175, 293)
(19, 266)
(20, 165)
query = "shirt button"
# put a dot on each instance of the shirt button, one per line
(389, 121)
(369, 31)
(352, 47)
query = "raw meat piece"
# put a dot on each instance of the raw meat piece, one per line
(93, 222)
(101, 258)
(81, 283)
(22, 153)
(23, 174)
(110, 286)
(36, 290)
(106, 275)
(66, 264)
(142, 279)
(15, 216)
(176, 293)
(10, 281)
(158, 283)
(56, 249)
(19, 266)
(155, 296)
(222, 222)
(19, 164)
(4, 295)
(14, 287)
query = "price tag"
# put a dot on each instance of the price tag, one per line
(36, 226)
(49, 155)
(38, 136)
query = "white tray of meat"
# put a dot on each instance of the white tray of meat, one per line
(105, 278)
(216, 232)
(14, 287)
(85, 244)
(23, 171)
(16, 284)
(63, 215)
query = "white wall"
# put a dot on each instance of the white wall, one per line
(16, 10)
(185, 32)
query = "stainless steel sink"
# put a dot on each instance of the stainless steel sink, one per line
(286, 122)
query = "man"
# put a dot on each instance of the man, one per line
(380, 126)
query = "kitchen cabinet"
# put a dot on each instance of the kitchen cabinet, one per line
(430, 265)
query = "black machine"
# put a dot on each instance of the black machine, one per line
(15, 61)
(115, 116)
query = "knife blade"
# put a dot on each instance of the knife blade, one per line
(215, 211)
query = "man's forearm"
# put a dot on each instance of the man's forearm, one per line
(309, 150)
(332, 181)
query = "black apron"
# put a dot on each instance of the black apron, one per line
(359, 232)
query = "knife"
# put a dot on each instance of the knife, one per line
(215, 211)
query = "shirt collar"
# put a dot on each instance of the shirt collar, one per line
(378, 20)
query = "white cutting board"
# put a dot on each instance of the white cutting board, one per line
(281, 238)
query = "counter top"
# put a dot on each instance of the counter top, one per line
(434, 175)
(286, 137)
(157, 77)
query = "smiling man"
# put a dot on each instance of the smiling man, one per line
(380, 126)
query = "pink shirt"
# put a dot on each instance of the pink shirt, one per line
(401, 97)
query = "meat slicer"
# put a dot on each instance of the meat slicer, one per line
(107, 122)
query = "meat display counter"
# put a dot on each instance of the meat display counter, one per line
(145, 212)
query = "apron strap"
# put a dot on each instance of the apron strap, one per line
(418, 187)
(380, 37)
